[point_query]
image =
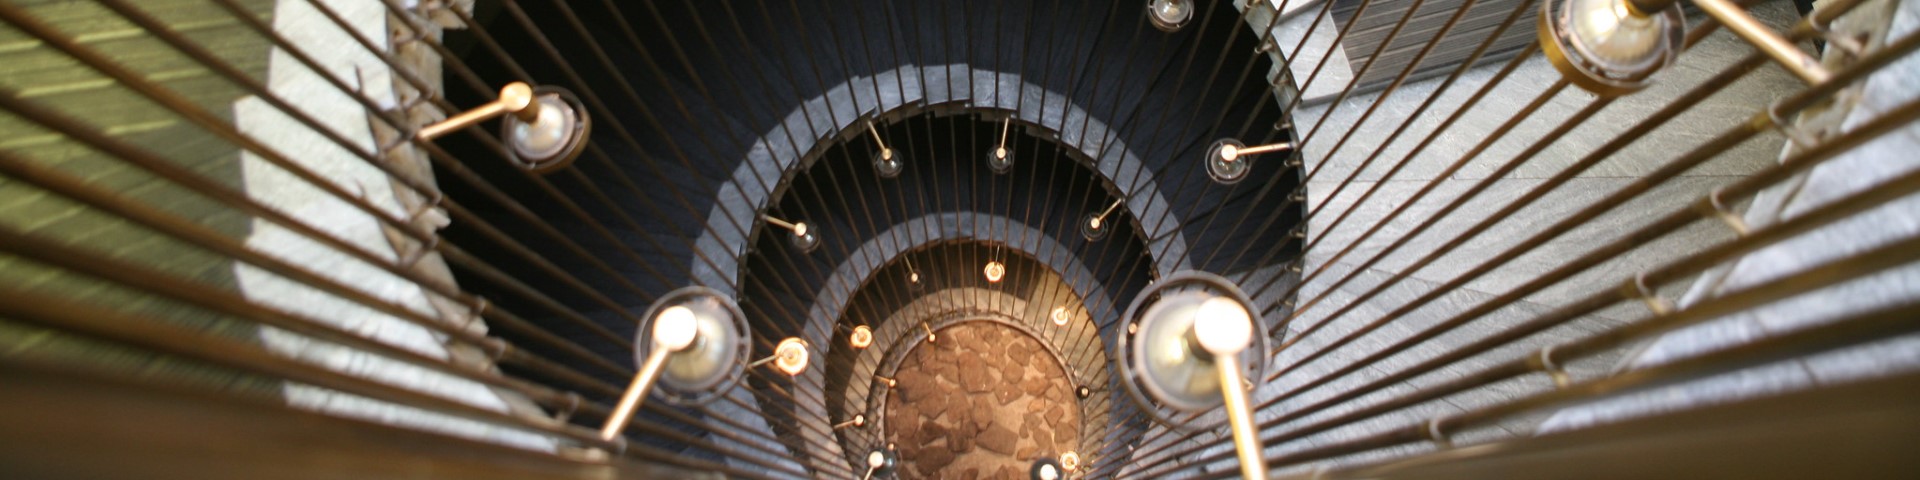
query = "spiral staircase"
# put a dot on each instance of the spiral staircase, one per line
(228, 249)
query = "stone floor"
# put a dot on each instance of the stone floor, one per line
(981, 403)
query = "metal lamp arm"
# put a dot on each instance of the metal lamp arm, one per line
(636, 392)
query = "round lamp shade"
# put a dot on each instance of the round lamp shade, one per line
(1605, 47)
(1094, 228)
(791, 356)
(887, 163)
(882, 462)
(1165, 365)
(1046, 469)
(1225, 165)
(803, 239)
(556, 135)
(861, 338)
(1169, 15)
(1000, 160)
(713, 361)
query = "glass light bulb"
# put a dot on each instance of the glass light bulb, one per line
(1170, 8)
(1608, 32)
(548, 132)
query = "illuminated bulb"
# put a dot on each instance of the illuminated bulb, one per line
(1060, 316)
(791, 356)
(553, 136)
(547, 133)
(675, 328)
(1605, 46)
(1000, 160)
(995, 271)
(1223, 326)
(861, 337)
(1611, 33)
(1070, 461)
(1169, 15)
(887, 165)
(803, 238)
(913, 277)
(857, 421)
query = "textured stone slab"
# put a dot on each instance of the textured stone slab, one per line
(998, 439)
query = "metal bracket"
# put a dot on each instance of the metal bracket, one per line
(1543, 360)
(1712, 207)
(1636, 289)
(1434, 434)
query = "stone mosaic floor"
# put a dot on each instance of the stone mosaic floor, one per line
(980, 403)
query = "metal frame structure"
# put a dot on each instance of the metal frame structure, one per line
(542, 346)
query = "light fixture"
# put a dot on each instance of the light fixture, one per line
(913, 274)
(1070, 461)
(857, 421)
(693, 342)
(790, 356)
(887, 162)
(881, 462)
(995, 271)
(1226, 161)
(1169, 15)
(1095, 226)
(1083, 392)
(1060, 316)
(1000, 160)
(1046, 469)
(547, 130)
(1193, 349)
(930, 335)
(861, 337)
(1609, 47)
(803, 238)
(887, 380)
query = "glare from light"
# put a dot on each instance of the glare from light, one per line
(675, 328)
(1223, 326)
(1060, 316)
(548, 132)
(995, 271)
(1169, 15)
(861, 338)
(791, 356)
